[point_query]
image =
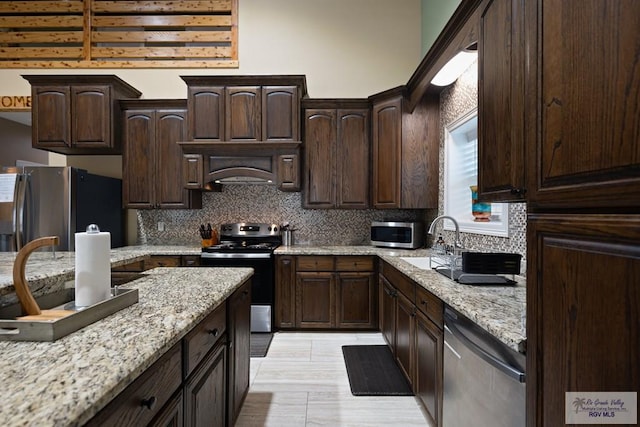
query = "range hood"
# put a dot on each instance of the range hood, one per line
(240, 162)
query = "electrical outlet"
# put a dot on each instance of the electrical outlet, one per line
(160, 226)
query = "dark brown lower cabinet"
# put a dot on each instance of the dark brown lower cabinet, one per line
(411, 321)
(172, 415)
(143, 399)
(405, 336)
(388, 306)
(326, 292)
(429, 368)
(205, 394)
(355, 300)
(285, 300)
(202, 381)
(315, 300)
(583, 309)
(239, 333)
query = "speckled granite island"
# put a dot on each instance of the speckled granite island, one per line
(498, 309)
(65, 383)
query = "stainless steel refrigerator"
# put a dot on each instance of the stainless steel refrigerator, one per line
(38, 201)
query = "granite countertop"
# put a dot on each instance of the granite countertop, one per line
(68, 381)
(500, 310)
(49, 272)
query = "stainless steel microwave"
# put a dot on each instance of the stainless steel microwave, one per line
(403, 235)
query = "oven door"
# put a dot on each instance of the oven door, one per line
(262, 283)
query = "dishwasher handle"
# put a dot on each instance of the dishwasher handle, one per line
(451, 323)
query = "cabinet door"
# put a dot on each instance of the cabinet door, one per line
(170, 128)
(352, 159)
(588, 152)
(280, 113)
(387, 153)
(285, 292)
(356, 301)
(172, 415)
(205, 393)
(388, 308)
(428, 380)
(91, 117)
(239, 332)
(138, 159)
(405, 336)
(583, 309)
(242, 117)
(288, 172)
(206, 113)
(501, 102)
(320, 158)
(315, 300)
(193, 171)
(51, 116)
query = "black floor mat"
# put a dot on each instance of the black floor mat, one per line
(260, 342)
(373, 371)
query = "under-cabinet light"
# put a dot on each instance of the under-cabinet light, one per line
(454, 68)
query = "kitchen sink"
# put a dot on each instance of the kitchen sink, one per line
(422, 263)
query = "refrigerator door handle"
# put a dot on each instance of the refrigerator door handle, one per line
(19, 211)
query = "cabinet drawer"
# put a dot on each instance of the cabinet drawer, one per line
(203, 337)
(146, 396)
(430, 305)
(137, 267)
(315, 263)
(354, 263)
(162, 261)
(400, 282)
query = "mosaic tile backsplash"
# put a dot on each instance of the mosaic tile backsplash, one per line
(456, 101)
(263, 203)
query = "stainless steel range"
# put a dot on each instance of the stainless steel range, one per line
(247, 244)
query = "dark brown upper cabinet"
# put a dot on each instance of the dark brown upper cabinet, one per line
(405, 151)
(280, 113)
(501, 167)
(77, 114)
(243, 113)
(583, 130)
(152, 161)
(337, 154)
(244, 108)
(206, 117)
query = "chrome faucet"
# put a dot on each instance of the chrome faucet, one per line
(457, 245)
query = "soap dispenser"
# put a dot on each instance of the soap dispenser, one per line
(439, 247)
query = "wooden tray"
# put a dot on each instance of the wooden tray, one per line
(13, 329)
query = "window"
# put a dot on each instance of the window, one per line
(460, 173)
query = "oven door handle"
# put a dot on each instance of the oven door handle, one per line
(236, 255)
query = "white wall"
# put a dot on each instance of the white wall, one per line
(346, 48)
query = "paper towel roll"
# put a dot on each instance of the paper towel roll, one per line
(93, 267)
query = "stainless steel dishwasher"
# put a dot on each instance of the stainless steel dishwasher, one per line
(484, 380)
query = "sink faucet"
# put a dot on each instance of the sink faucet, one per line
(457, 246)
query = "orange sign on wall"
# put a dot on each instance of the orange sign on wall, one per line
(9, 102)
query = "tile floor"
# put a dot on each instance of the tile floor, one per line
(303, 382)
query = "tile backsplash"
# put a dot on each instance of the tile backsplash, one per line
(264, 203)
(456, 101)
